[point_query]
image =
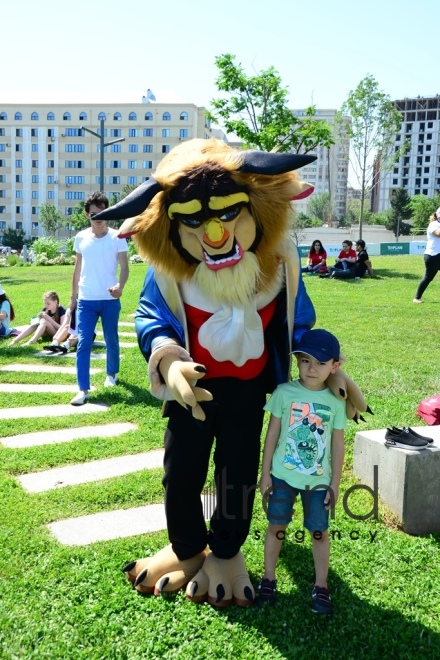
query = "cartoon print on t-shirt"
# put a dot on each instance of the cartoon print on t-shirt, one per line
(306, 441)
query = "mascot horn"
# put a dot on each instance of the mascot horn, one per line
(223, 301)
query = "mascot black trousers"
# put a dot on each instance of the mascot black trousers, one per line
(234, 421)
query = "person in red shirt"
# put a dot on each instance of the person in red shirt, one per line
(316, 260)
(346, 257)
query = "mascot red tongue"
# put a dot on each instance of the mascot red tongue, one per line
(221, 309)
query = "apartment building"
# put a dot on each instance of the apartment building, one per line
(47, 156)
(419, 170)
(329, 173)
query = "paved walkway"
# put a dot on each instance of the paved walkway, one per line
(98, 527)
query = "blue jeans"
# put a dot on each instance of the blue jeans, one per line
(280, 507)
(88, 313)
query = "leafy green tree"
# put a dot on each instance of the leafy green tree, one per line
(51, 218)
(422, 207)
(320, 207)
(14, 238)
(78, 220)
(372, 131)
(256, 110)
(400, 211)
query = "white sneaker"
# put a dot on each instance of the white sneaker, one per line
(110, 381)
(80, 398)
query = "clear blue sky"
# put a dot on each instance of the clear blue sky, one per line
(112, 51)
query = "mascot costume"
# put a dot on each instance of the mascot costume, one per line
(222, 307)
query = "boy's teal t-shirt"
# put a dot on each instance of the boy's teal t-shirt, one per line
(303, 453)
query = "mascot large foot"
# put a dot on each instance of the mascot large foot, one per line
(164, 572)
(222, 582)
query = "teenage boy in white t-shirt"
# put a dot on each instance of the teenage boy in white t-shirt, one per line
(96, 293)
(431, 256)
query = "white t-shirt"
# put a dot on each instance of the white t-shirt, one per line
(433, 243)
(99, 263)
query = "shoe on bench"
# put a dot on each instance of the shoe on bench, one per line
(414, 433)
(404, 440)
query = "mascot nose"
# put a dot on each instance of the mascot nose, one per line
(215, 233)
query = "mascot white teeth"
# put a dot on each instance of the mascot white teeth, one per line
(221, 309)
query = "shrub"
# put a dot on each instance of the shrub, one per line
(46, 245)
(69, 247)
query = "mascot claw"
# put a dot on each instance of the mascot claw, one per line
(222, 582)
(162, 573)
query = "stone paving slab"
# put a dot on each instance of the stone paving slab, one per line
(44, 368)
(71, 354)
(82, 473)
(27, 388)
(116, 524)
(60, 410)
(67, 435)
(122, 344)
(121, 334)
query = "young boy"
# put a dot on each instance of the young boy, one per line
(304, 454)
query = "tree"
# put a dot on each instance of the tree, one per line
(14, 238)
(78, 220)
(256, 111)
(372, 131)
(400, 210)
(320, 206)
(51, 218)
(422, 207)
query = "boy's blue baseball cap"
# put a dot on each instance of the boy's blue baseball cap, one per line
(319, 344)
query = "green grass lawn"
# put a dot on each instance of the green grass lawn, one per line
(74, 602)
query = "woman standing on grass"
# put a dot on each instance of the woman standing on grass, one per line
(6, 313)
(46, 323)
(431, 256)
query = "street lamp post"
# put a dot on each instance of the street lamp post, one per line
(101, 149)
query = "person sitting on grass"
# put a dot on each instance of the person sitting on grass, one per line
(316, 259)
(359, 268)
(66, 337)
(303, 455)
(46, 323)
(6, 314)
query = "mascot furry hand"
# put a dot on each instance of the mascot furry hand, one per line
(222, 305)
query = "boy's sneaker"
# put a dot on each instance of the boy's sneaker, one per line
(110, 381)
(321, 601)
(63, 348)
(404, 439)
(266, 592)
(80, 398)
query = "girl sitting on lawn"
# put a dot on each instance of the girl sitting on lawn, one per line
(6, 314)
(46, 323)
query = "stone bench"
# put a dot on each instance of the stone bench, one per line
(408, 481)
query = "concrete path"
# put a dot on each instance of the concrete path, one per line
(71, 354)
(121, 334)
(122, 344)
(126, 324)
(44, 368)
(83, 473)
(27, 388)
(115, 524)
(66, 435)
(61, 410)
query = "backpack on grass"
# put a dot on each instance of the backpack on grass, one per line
(429, 410)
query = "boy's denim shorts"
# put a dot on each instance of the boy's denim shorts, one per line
(280, 506)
